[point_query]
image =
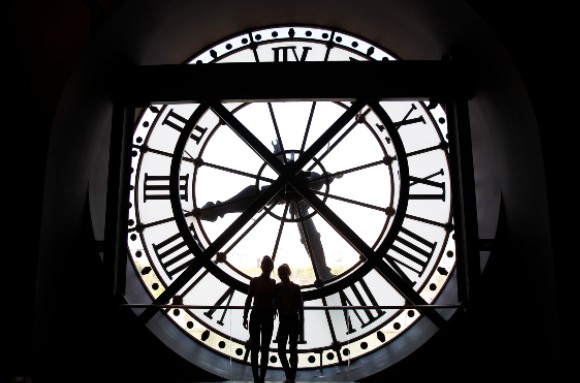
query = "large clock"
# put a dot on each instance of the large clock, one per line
(355, 194)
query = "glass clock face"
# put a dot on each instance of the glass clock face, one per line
(354, 196)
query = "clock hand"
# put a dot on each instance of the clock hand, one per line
(310, 238)
(236, 204)
(239, 202)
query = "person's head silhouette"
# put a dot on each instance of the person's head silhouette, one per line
(284, 272)
(267, 264)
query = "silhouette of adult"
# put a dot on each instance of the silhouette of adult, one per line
(261, 326)
(290, 306)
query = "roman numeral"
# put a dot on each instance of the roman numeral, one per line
(410, 253)
(226, 296)
(157, 187)
(408, 121)
(173, 254)
(283, 53)
(437, 188)
(178, 122)
(361, 298)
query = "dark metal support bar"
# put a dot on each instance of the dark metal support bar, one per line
(115, 244)
(294, 81)
(464, 203)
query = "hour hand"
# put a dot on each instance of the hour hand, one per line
(310, 238)
(236, 204)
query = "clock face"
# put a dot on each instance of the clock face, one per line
(354, 195)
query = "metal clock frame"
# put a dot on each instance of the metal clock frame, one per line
(436, 81)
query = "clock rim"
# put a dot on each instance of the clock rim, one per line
(176, 202)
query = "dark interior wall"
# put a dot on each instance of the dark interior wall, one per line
(538, 39)
(49, 38)
(43, 42)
